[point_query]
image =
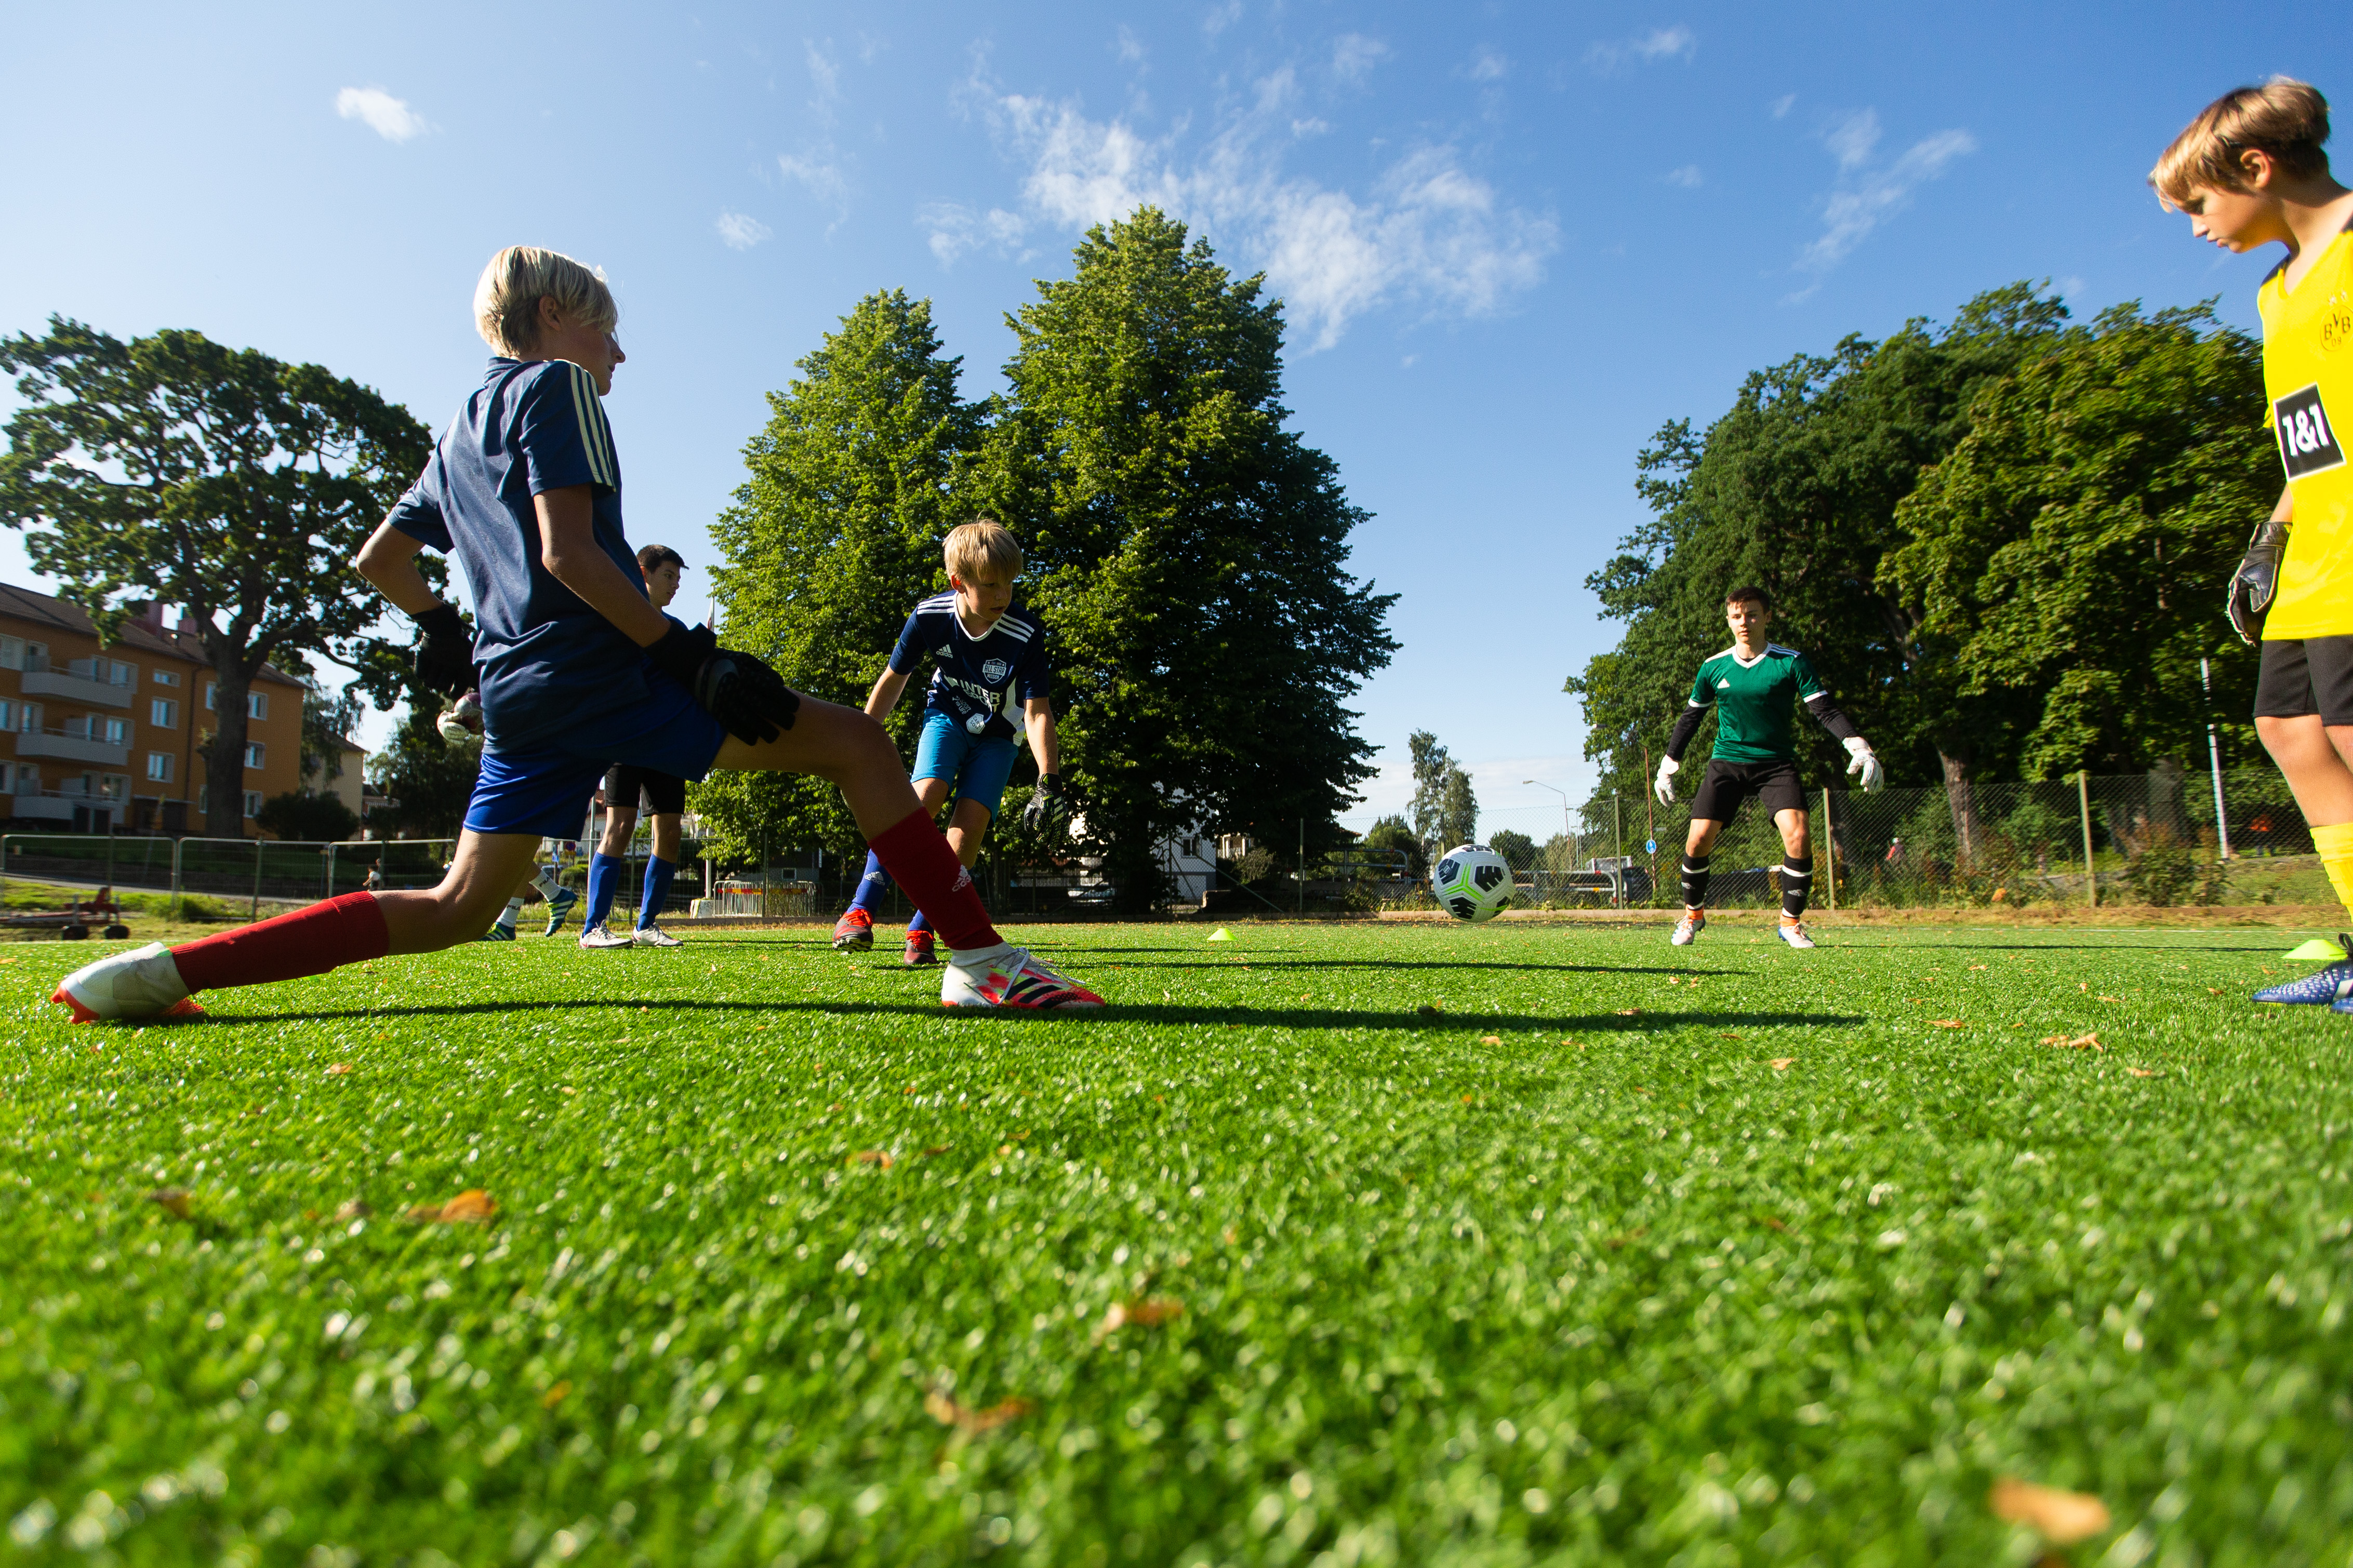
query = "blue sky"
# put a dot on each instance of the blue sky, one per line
(1513, 239)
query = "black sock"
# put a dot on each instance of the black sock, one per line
(1797, 881)
(1694, 882)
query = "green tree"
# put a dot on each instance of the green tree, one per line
(1190, 554)
(1445, 811)
(1393, 836)
(430, 778)
(175, 469)
(311, 819)
(1518, 850)
(2066, 561)
(855, 480)
(328, 717)
(1796, 487)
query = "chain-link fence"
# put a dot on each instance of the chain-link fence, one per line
(2164, 837)
(251, 869)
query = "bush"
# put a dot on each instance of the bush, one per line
(319, 818)
(2163, 872)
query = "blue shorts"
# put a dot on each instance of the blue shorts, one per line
(545, 790)
(979, 768)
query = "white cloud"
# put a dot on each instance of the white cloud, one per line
(1489, 67)
(1427, 231)
(1688, 176)
(1868, 194)
(1783, 104)
(1353, 56)
(955, 229)
(1221, 16)
(388, 116)
(819, 173)
(1678, 42)
(1129, 47)
(825, 74)
(742, 231)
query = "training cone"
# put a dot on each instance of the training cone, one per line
(2319, 950)
(1220, 934)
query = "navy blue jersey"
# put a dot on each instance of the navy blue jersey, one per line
(972, 675)
(546, 660)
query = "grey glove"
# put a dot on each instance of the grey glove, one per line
(1048, 808)
(2257, 580)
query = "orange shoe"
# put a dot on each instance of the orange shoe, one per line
(854, 932)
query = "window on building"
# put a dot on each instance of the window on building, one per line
(12, 653)
(254, 751)
(167, 678)
(120, 674)
(7, 783)
(159, 767)
(212, 690)
(28, 778)
(256, 705)
(115, 786)
(28, 718)
(113, 731)
(37, 657)
(163, 712)
(203, 799)
(7, 714)
(253, 803)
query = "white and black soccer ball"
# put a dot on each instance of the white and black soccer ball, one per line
(462, 720)
(1472, 883)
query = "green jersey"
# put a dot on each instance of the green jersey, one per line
(1754, 701)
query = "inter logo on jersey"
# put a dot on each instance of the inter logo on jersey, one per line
(2308, 445)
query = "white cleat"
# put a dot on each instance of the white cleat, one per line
(1794, 933)
(140, 984)
(1687, 929)
(598, 938)
(1013, 980)
(654, 936)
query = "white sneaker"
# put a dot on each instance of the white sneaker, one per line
(140, 984)
(1687, 929)
(1794, 933)
(1010, 978)
(654, 936)
(598, 937)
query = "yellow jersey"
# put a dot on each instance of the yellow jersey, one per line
(2308, 377)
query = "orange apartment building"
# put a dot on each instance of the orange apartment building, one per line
(97, 738)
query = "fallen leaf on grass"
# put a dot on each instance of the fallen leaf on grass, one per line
(1769, 1221)
(472, 1206)
(2142, 1072)
(1782, 1064)
(171, 1200)
(1145, 1314)
(1633, 1236)
(338, 1069)
(935, 1149)
(1728, 1036)
(1947, 1022)
(2090, 1042)
(1628, 1012)
(1490, 1039)
(352, 1210)
(554, 1396)
(1977, 966)
(948, 1413)
(1466, 1100)
(2111, 998)
(2060, 1518)
(873, 1157)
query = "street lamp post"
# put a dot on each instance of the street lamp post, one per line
(1566, 832)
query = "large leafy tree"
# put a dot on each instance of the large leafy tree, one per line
(2065, 562)
(1189, 553)
(173, 468)
(1445, 810)
(835, 537)
(1796, 487)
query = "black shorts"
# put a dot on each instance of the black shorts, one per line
(1726, 784)
(2300, 676)
(665, 793)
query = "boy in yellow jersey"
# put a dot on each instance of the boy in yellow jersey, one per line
(2250, 170)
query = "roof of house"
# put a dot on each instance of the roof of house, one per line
(23, 605)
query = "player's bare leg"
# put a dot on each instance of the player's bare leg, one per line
(483, 874)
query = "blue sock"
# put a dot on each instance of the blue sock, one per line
(604, 882)
(872, 886)
(921, 922)
(659, 872)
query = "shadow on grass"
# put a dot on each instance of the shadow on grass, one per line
(1171, 1013)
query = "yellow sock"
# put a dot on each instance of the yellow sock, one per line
(2334, 843)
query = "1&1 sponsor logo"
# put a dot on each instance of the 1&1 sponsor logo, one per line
(2307, 442)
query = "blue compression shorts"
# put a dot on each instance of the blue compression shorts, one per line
(978, 768)
(545, 790)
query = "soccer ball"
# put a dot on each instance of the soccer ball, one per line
(462, 720)
(1472, 883)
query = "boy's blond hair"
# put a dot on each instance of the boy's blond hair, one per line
(973, 545)
(2284, 117)
(506, 301)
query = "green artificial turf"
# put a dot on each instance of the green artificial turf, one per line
(1566, 1271)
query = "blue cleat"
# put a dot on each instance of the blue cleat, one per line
(507, 933)
(2331, 984)
(557, 908)
(2342, 1005)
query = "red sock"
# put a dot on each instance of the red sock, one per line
(287, 947)
(921, 862)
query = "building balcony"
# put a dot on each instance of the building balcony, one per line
(71, 748)
(76, 688)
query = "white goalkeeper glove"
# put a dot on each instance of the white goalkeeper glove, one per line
(1862, 760)
(1663, 786)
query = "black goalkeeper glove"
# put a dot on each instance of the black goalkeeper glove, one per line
(750, 701)
(445, 651)
(2257, 580)
(1048, 808)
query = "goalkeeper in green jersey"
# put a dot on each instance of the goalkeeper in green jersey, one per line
(1753, 685)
